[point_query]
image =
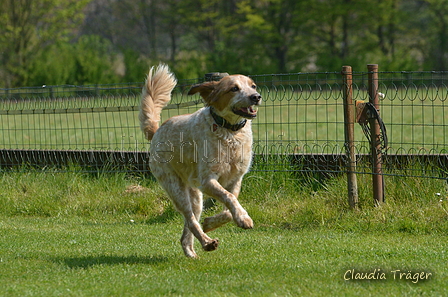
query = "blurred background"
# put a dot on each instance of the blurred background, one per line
(80, 42)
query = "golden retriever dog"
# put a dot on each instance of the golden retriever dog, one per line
(206, 152)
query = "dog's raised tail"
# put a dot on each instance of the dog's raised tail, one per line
(155, 96)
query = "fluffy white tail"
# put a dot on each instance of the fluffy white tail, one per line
(155, 96)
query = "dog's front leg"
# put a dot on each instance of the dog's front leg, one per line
(216, 221)
(213, 188)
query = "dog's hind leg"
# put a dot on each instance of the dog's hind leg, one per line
(189, 203)
(187, 239)
(192, 227)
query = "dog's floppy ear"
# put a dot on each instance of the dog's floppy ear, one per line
(204, 89)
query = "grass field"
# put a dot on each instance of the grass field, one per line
(79, 234)
(75, 234)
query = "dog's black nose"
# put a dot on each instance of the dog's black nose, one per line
(255, 98)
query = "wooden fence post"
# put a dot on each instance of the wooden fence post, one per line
(375, 132)
(349, 131)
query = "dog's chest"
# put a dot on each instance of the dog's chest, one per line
(233, 152)
(231, 157)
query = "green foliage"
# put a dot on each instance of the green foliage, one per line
(94, 60)
(28, 27)
(91, 60)
(55, 66)
(191, 64)
(136, 66)
(70, 43)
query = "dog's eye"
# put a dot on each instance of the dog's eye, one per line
(254, 86)
(235, 89)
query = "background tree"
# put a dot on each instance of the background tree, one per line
(438, 13)
(106, 41)
(27, 27)
(275, 29)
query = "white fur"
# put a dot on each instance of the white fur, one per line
(191, 155)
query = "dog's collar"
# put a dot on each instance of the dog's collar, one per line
(221, 122)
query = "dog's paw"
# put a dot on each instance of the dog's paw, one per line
(245, 222)
(191, 254)
(211, 246)
(189, 251)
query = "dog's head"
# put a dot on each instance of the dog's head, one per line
(232, 97)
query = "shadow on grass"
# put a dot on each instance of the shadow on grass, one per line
(89, 261)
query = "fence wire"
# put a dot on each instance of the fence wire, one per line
(299, 128)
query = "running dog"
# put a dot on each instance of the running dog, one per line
(206, 152)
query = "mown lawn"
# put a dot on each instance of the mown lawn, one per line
(111, 257)
(73, 234)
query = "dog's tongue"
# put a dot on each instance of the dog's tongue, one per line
(249, 110)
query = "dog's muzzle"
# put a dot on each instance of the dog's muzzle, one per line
(249, 112)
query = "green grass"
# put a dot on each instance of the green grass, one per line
(82, 257)
(74, 234)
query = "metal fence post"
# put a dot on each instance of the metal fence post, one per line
(349, 131)
(375, 146)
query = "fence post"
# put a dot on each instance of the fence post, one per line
(215, 75)
(375, 132)
(349, 131)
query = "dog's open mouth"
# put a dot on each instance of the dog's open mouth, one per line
(248, 112)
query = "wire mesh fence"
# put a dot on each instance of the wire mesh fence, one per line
(300, 126)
